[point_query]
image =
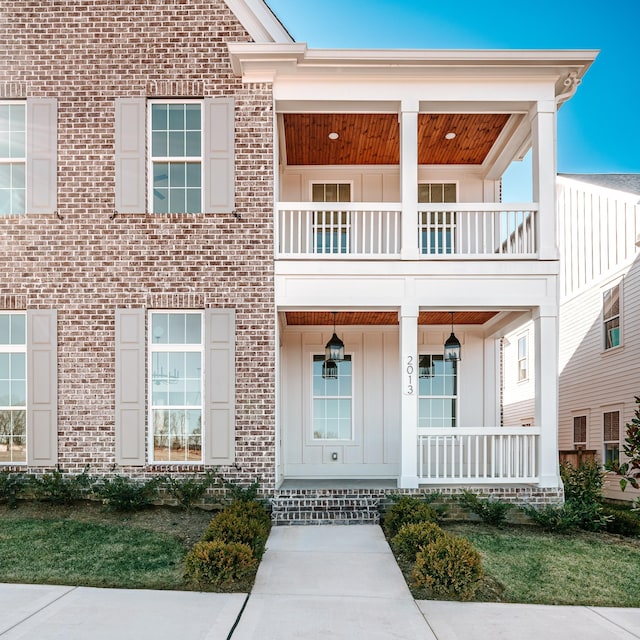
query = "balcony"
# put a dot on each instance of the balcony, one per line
(483, 455)
(373, 230)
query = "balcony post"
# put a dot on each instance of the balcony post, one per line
(545, 323)
(409, 401)
(543, 129)
(409, 178)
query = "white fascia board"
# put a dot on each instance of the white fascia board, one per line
(259, 21)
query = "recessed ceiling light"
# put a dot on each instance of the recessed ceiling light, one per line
(450, 136)
(334, 136)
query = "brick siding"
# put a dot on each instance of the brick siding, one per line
(85, 262)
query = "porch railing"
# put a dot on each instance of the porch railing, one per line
(483, 455)
(374, 230)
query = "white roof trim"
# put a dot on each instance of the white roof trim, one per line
(259, 21)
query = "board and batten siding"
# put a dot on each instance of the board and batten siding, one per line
(598, 231)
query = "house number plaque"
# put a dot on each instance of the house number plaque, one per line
(409, 375)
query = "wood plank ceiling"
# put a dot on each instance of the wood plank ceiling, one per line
(344, 318)
(374, 138)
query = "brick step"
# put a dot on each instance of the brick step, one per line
(324, 509)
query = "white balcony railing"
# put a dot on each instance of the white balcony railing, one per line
(483, 455)
(374, 230)
(338, 230)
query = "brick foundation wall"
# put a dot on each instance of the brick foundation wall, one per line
(85, 262)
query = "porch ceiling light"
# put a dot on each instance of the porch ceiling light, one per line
(334, 135)
(334, 349)
(450, 135)
(452, 349)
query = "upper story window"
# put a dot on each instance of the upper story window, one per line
(13, 388)
(611, 317)
(176, 157)
(13, 157)
(331, 229)
(437, 228)
(176, 393)
(437, 391)
(523, 358)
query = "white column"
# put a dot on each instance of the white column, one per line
(491, 415)
(545, 323)
(409, 401)
(543, 131)
(409, 178)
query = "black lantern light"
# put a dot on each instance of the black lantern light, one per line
(334, 349)
(452, 345)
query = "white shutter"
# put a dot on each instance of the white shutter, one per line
(42, 155)
(42, 387)
(130, 154)
(218, 160)
(130, 386)
(220, 386)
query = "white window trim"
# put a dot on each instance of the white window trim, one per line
(332, 441)
(608, 287)
(456, 397)
(193, 348)
(586, 416)
(619, 411)
(522, 336)
(21, 160)
(151, 159)
(18, 348)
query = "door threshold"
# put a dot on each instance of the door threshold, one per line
(338, 483)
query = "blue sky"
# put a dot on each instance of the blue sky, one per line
(598, 129)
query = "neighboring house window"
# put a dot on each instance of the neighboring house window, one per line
(611, 436)
(332, 401)
(176, 393)
(13, 388)
(579, 431)
(437, 391)
(437, 228)
(331, 228)
(176, 156)
(523, 358)
(611, 317)
(13, 157)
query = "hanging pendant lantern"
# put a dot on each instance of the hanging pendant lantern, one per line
(334, 349)
(452, 348)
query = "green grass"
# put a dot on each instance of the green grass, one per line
(85, 546)
(526, 565)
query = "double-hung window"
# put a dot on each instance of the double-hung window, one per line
(611, 436)
(437, 391)
(176, 156)
(13, 157)
(611, 317)
(332, 401)
(176, 392)
(13, 388)
(523, 358)
(437, 228)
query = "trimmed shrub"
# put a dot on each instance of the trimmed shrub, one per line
(220, 564)
(58, 488)
(123, 494)
(188, 491)
(242, 522)
(491, 510)
(622, 521)
(584, 482)
(407, 510)
(553, 518)
(11, 485)
(413, 537)
(449, 567)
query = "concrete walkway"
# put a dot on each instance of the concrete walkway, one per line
(316, 582)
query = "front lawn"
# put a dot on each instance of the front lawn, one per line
(87, 546)
(524, 564)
